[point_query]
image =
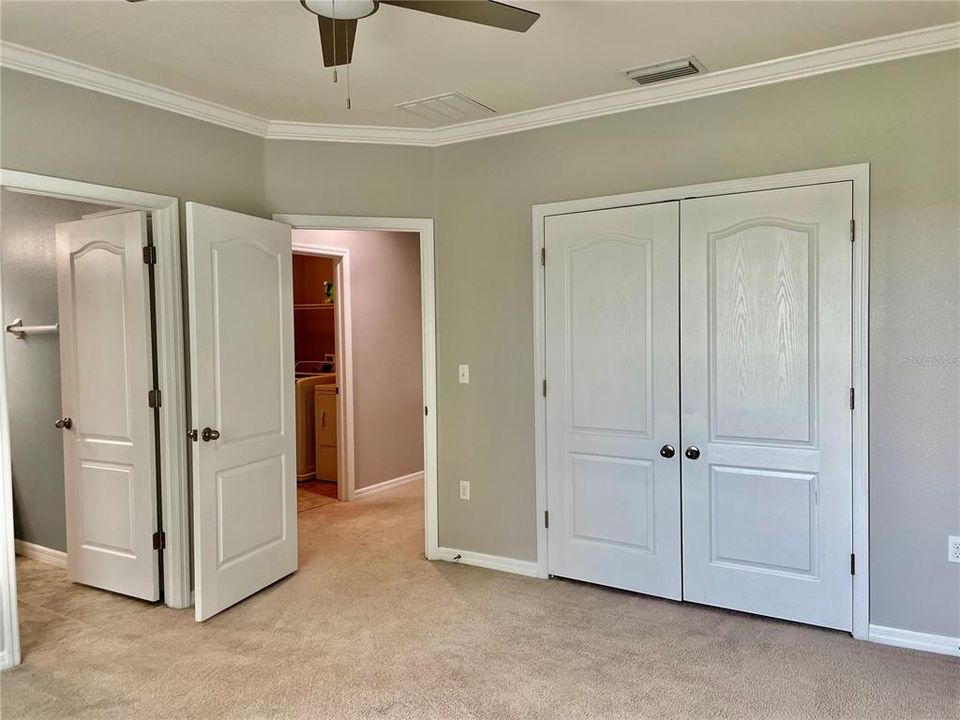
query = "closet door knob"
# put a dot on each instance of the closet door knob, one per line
(692, 452)
(209, 434)
(667, 451)
(63, 424)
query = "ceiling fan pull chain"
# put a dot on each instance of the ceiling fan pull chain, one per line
(333, 5)
(349, 105)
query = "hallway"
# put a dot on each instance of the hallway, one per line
(367, 628)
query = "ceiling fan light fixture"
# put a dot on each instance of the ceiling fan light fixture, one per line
(341, 9)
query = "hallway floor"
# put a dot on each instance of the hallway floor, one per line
(368, 629)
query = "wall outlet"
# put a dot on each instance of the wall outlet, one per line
(464, 489)
(464, 374)
(953, 548)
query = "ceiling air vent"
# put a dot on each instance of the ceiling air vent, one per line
(670, 70)
(447, 109)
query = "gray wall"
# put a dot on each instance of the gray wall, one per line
(28, 278)
(902, 117)
(387, 350)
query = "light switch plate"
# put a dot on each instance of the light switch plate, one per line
(464, 489)
(464, 374)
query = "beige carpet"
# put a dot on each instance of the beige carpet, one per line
(372, 630)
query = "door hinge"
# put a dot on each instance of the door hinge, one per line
(546, 518)
(853, 399)
(159, 540)
(544, 387)
(426, 410)
(543, 256)
(853, 564)
(853, 230)
(153, 399)
(150, 254)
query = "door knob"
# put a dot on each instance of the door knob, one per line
(692, 452)
(209, 434)
(667, 451)
(64, 423)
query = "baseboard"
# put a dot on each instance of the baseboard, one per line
(491, 562)
(41, 553)
(387, 485)
(943, 644)
(6, 660)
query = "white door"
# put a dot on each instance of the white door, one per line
(106, 369)
(242, 384)
(766, 372)
(612, 387)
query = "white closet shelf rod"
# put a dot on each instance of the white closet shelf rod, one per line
(19, 330)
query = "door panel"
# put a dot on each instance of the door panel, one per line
(106, 373)
(766, 372)
(245, 524)
(612, 368)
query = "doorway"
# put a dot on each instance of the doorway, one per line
(243, 392)
(85, 259)
(699, 438)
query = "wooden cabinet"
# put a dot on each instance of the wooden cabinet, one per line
(325, 419)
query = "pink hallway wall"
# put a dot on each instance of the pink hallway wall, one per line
(387, 350)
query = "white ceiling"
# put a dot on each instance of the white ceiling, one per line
(263, 57)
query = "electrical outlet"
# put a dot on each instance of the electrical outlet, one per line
(953, 548)
(464, 489)
(464, 374)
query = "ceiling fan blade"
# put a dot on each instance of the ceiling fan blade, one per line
(483, 12)
(336, 40)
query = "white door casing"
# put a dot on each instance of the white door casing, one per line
(106, 372)
(612, 368)
(242, 381)
(766, 376)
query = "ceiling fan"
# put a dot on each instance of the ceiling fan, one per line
(337, 19)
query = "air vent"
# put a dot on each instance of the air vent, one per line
(448, 108)
(660, 72)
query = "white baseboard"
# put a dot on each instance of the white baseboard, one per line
(927, 642)
(387, 485)
(491, 562)
(41, 553)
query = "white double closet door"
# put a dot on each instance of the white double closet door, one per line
(698, 358)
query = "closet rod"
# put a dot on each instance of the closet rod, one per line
(18, 329)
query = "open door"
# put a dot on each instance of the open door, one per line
(242, 385)
(106, 367)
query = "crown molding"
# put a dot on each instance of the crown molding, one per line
(794, 67)
(71, 72)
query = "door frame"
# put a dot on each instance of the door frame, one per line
(170, 363)
(428, 330)
(859, 176)
(343, 340)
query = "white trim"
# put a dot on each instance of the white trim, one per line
(943, 644)
(859, 176)
(169, 303)
(491, 562)
(57, 558)
(61, 69)
(387, 485)
(9, 617)
(817, 62)
(343, 341)
(423, 226)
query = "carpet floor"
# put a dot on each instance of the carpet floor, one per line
(368, 629)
